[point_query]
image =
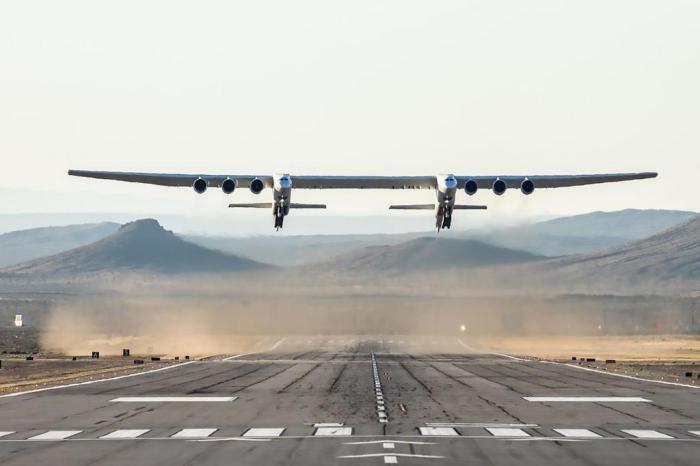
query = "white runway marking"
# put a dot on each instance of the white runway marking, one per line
(646, 434)
(507, 356)
(694, 432)
(331, 431)
(274, 347)
(476, 424)
(505, 432)
(5, 434)
(400, 442)
(393, 455)
(264, 432)
(390, 460)
(125, 433)
(329, 424)
(90, 382)
(438, 431)
(55, 435)
(174, 399)
(623, 376)
(194, 433)
(577, 433)
(587, 399)
(388, 446)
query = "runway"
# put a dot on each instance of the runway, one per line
(356, 401)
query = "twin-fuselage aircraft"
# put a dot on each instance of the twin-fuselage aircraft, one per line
(446, 187)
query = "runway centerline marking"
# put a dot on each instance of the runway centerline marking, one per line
(194, 433)
(390, 460)
(174, 399)
(388, 445)
(264, 432)
(505, 432)
(125, 434)
(577, 433)
(55, 435)
(646, 434)
(587, 399)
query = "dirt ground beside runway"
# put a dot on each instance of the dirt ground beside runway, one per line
(673, 358)
(627, 348)
(17, 374)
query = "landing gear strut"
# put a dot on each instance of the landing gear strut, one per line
(444, 218)
(280, 212)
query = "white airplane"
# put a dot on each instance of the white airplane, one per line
(445, 186)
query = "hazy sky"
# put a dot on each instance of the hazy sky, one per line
(354, 87)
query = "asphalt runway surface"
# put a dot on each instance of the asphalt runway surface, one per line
(356, 401)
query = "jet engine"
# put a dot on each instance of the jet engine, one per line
(256, 186)
(527, 187)
(228, 186)
(199, 185)
(471, 187)
(499, 187)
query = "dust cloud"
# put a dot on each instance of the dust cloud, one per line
(220, 316)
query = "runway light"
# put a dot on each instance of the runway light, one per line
(463, 328)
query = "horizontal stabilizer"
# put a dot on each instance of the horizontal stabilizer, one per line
(307, 206)
(470, 207)
(255, 205)
(413, 207)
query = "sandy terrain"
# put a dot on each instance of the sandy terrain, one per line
(627, 348)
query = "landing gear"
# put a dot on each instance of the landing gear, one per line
(280, 211)
(443, 218)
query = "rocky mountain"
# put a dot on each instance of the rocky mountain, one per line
(143, 245)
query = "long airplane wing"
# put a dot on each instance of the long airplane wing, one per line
(362, 182)
(171, 179)
(554, 181)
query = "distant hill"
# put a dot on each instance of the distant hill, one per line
(672, 256)
(559, 237)
(426, 254)
(296, 250)
(628, 224)
(26, 245)
(138, 246)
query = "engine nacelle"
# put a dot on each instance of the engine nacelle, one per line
(527, 187)
(199, 185)
(256, 186)
(228, 186)
(499, 187)
(471, 187)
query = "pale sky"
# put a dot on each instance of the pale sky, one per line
(354, 87)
